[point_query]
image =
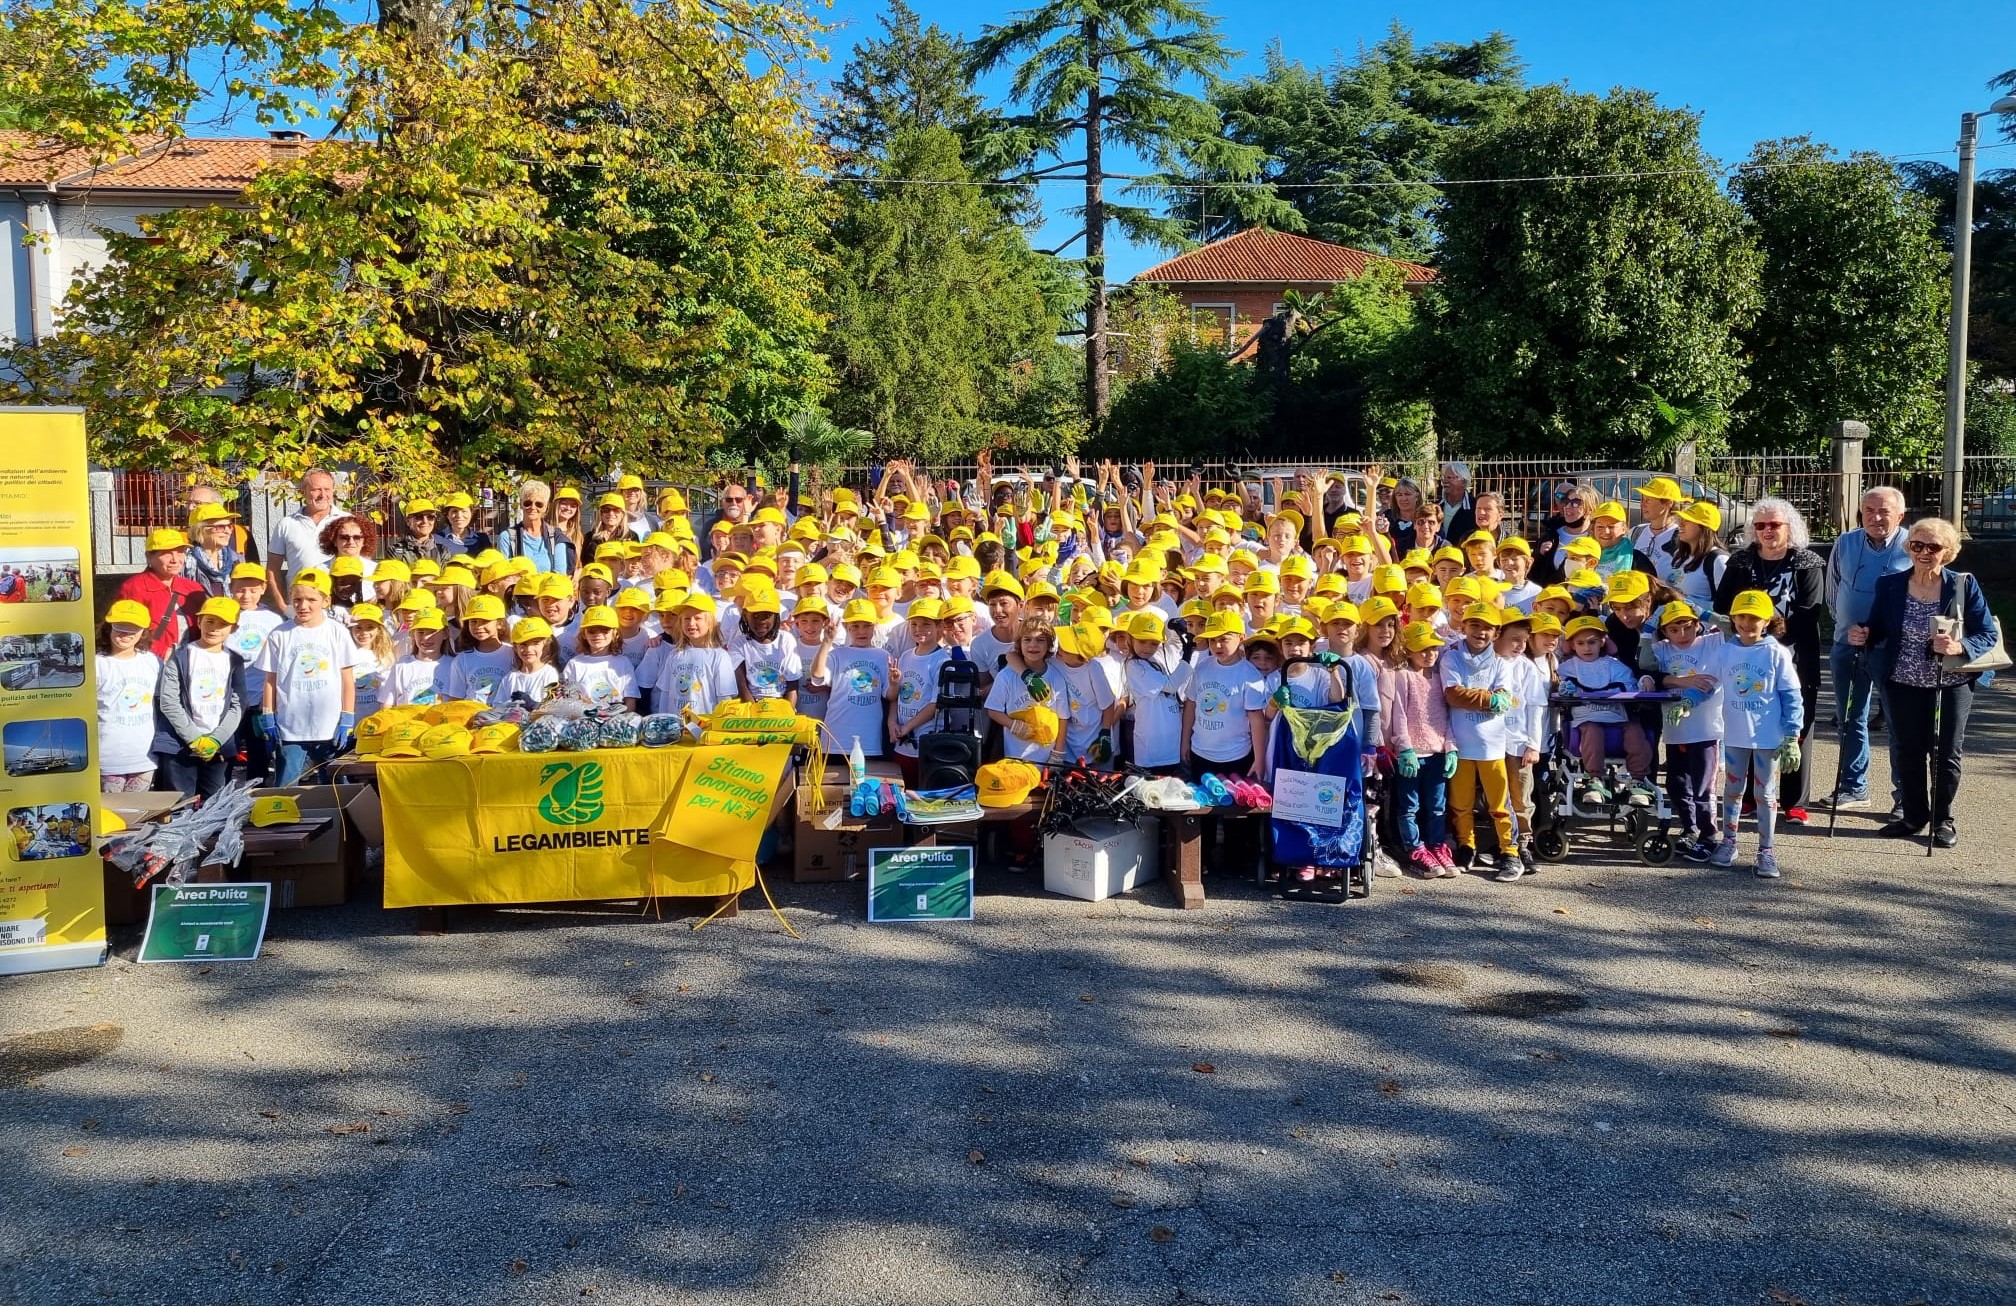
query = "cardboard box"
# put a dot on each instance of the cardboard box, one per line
(1101, 859)
(832, 845)
(124, 904)
(323, 871)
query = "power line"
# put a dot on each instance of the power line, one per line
(1190, 188)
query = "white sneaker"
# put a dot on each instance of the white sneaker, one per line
(1383, 866)
(1767, 864)
(1725, 852)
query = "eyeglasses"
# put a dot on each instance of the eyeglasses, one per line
(359, 539)
(533, 503)
(419, 516)
(1767, 525)
(734, 498)
(1924, 546)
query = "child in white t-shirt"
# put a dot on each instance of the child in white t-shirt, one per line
(596, 671)
(534, 676)
(127, 677)
(1224, 704)
(914, 710)
(859, 676)
(1155, 674)
(769, 665)
(309, 703)
(690, 669)
(413, 677)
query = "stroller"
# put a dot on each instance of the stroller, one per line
(1561, 804)
(1319, 775)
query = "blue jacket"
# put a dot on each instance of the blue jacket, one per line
(1886, 616)
(1854, 565)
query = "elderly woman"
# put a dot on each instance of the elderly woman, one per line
(212, 552)
(1775, 558)
(536, 538)
(1929, 695)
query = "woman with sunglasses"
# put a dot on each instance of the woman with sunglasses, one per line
(1776, 560)
(352, 537)
(1922, 672)
(536, 538)
(420, 543)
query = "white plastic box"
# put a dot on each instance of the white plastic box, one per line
(1107, 858)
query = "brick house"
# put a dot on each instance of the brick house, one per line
(1235, 284)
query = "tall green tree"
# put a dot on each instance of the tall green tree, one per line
(1098, 74)
(1623, 265)
(1853, 299)
(1356, 147)
(528, 242)
(911, 76)
(941, 315)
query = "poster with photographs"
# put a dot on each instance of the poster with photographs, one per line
(52, 886)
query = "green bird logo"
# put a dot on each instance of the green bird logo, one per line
(573, 793)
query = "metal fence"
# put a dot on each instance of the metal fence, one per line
(125, 505)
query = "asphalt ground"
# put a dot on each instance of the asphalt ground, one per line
(1606, 1084)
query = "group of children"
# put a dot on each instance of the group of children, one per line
(1171, 663)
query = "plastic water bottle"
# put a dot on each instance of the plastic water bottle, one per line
(857, 765)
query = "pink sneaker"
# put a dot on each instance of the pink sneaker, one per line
(1445, 863)
(1306, 874)
(1424, 863)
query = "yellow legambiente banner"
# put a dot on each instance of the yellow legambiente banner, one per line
(569, 827)
(52, 886)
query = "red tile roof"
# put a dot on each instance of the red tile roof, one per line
(184, 166)
(1260, 256)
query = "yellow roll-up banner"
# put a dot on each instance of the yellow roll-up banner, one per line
(52, 881)
(573, 827)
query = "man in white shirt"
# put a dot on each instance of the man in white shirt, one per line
(296, 544)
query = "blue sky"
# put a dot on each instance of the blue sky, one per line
(1859, 75)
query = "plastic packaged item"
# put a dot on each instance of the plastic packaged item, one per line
(660, 729)
(540, 735)
(580, 736)
(857, 765)
(621, 730)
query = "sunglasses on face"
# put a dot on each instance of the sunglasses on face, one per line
(735, 498)
(1768, 525)
(1924, 546)
(356, 539)
(533, 503)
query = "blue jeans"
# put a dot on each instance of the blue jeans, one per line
(296, 758)
(1853, 688)
(1424, 800)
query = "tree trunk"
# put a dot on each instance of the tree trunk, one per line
(1098, 384)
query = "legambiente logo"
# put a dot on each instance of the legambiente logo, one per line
(573, 793)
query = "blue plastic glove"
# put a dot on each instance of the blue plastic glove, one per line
(1410, 763)
(1449, 764)
(1501, 702)
(269, 726)
(346, 731)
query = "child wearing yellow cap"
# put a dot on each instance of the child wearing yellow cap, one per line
(412, 678)
(1153, 678)
(1591, 671)
(860, 679)
(534, 676)
(1224, 705)
(485, 658)
(1685, 654)
(599, 671)
(1477, 686)
(1761, 716)
(1035, 706)
(309, 702)
(200, 703)
(690, 667)
(369, 631)
(127, 676)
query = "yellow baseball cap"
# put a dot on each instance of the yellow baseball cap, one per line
(1583, 547)
(452, 575)
(429, 619)
(228, 611)
(370, 612)
(763, 598)
(1423, 595)
(697, 601)
(1753, 603)
(483, 607)
(497, 737)
(1223, 622)
(959, 605)
(1463, 587)
(1263, 582)
(163, 538)
(390, 569)
(1703, 513)
(1678, 610)
(445, 741)
(1006, 782)
(811, 605)
(1376, 609)
(274, 809)
(633, 599)
(860, 610)
(1419, 637)
(346, 566)
(1583, 624)
(1001, 582)
(1389, 579)
(531, 628)
(927, 610)
(313, 578)
(1483, 612)
(128, 612)
(1515, 544)
(1149, 623)
(1611, 509)
(1661, 487)
(1629, 586)
(1545, 623)
(248, 571)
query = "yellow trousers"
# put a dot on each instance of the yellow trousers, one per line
(1463, 786)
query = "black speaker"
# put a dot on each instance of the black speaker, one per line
(947, 760)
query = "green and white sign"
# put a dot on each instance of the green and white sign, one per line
(920, 884)
(206, 922)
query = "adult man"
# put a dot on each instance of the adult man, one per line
(1859, 559)
(641, 521)
(735, 502)
(1459, 516)
(171, 599)
(297, 544)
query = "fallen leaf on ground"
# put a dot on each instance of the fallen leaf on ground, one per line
(458, 1108)
(1704, 921)
(1563, 911)
(1204, 1067)
(75, 1151)
(270, 1115)
(1389, 1086)
(1085, 997)
(1785, 1031)
(516, 1267)
(706, 1076)
(1161, 1233)
(1124, 1203)
(361, 1127)
(976, 1157)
